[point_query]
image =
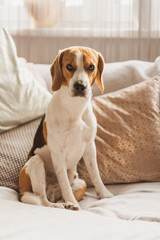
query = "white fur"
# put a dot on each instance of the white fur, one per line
(71, 131)
(71, 127)
(31, 198)
(36, 171)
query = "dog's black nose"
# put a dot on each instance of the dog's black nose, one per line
(79, 87)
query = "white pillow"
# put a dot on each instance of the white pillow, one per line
(22, 97)
(119, 75)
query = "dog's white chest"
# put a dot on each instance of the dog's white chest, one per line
(69, 127)
(75, 142)
(70, 141)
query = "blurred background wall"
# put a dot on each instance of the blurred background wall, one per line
(120, 29)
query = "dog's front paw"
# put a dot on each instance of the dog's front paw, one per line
(105, 194)
(71, 206)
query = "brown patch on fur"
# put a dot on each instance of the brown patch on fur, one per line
(91, 57)
(60, 74)
(45, 131)
(24, 182)
(80, 192)
(29, 158)
(99, 79)
(69, 57)
(56, 72)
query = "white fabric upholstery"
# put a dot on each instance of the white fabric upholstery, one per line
(133, 213)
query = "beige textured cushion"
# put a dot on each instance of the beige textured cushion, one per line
(15, 145)
(128, 135)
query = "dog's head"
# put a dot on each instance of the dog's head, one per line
(77, 68)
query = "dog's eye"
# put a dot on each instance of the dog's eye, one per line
(69, 67)
(91, 68)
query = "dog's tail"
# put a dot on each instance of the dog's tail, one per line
(30, 198)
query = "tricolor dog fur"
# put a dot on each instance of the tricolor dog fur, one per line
(65, 135)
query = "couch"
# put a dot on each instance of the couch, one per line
(134, 210)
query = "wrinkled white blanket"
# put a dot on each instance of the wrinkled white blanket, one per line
(133, 213)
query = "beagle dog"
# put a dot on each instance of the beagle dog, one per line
(65, 134)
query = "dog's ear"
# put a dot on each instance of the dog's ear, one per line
(56, 72)
(99, 77)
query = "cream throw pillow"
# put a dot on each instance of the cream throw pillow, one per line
(22, 97)
(128, 135)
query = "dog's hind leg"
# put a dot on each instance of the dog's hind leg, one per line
(35, 170)
(54, 192)
(78, 187)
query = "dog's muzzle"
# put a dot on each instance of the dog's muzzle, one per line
(79, 89)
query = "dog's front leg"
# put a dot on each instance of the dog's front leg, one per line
(90, 159)
(62, 176)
